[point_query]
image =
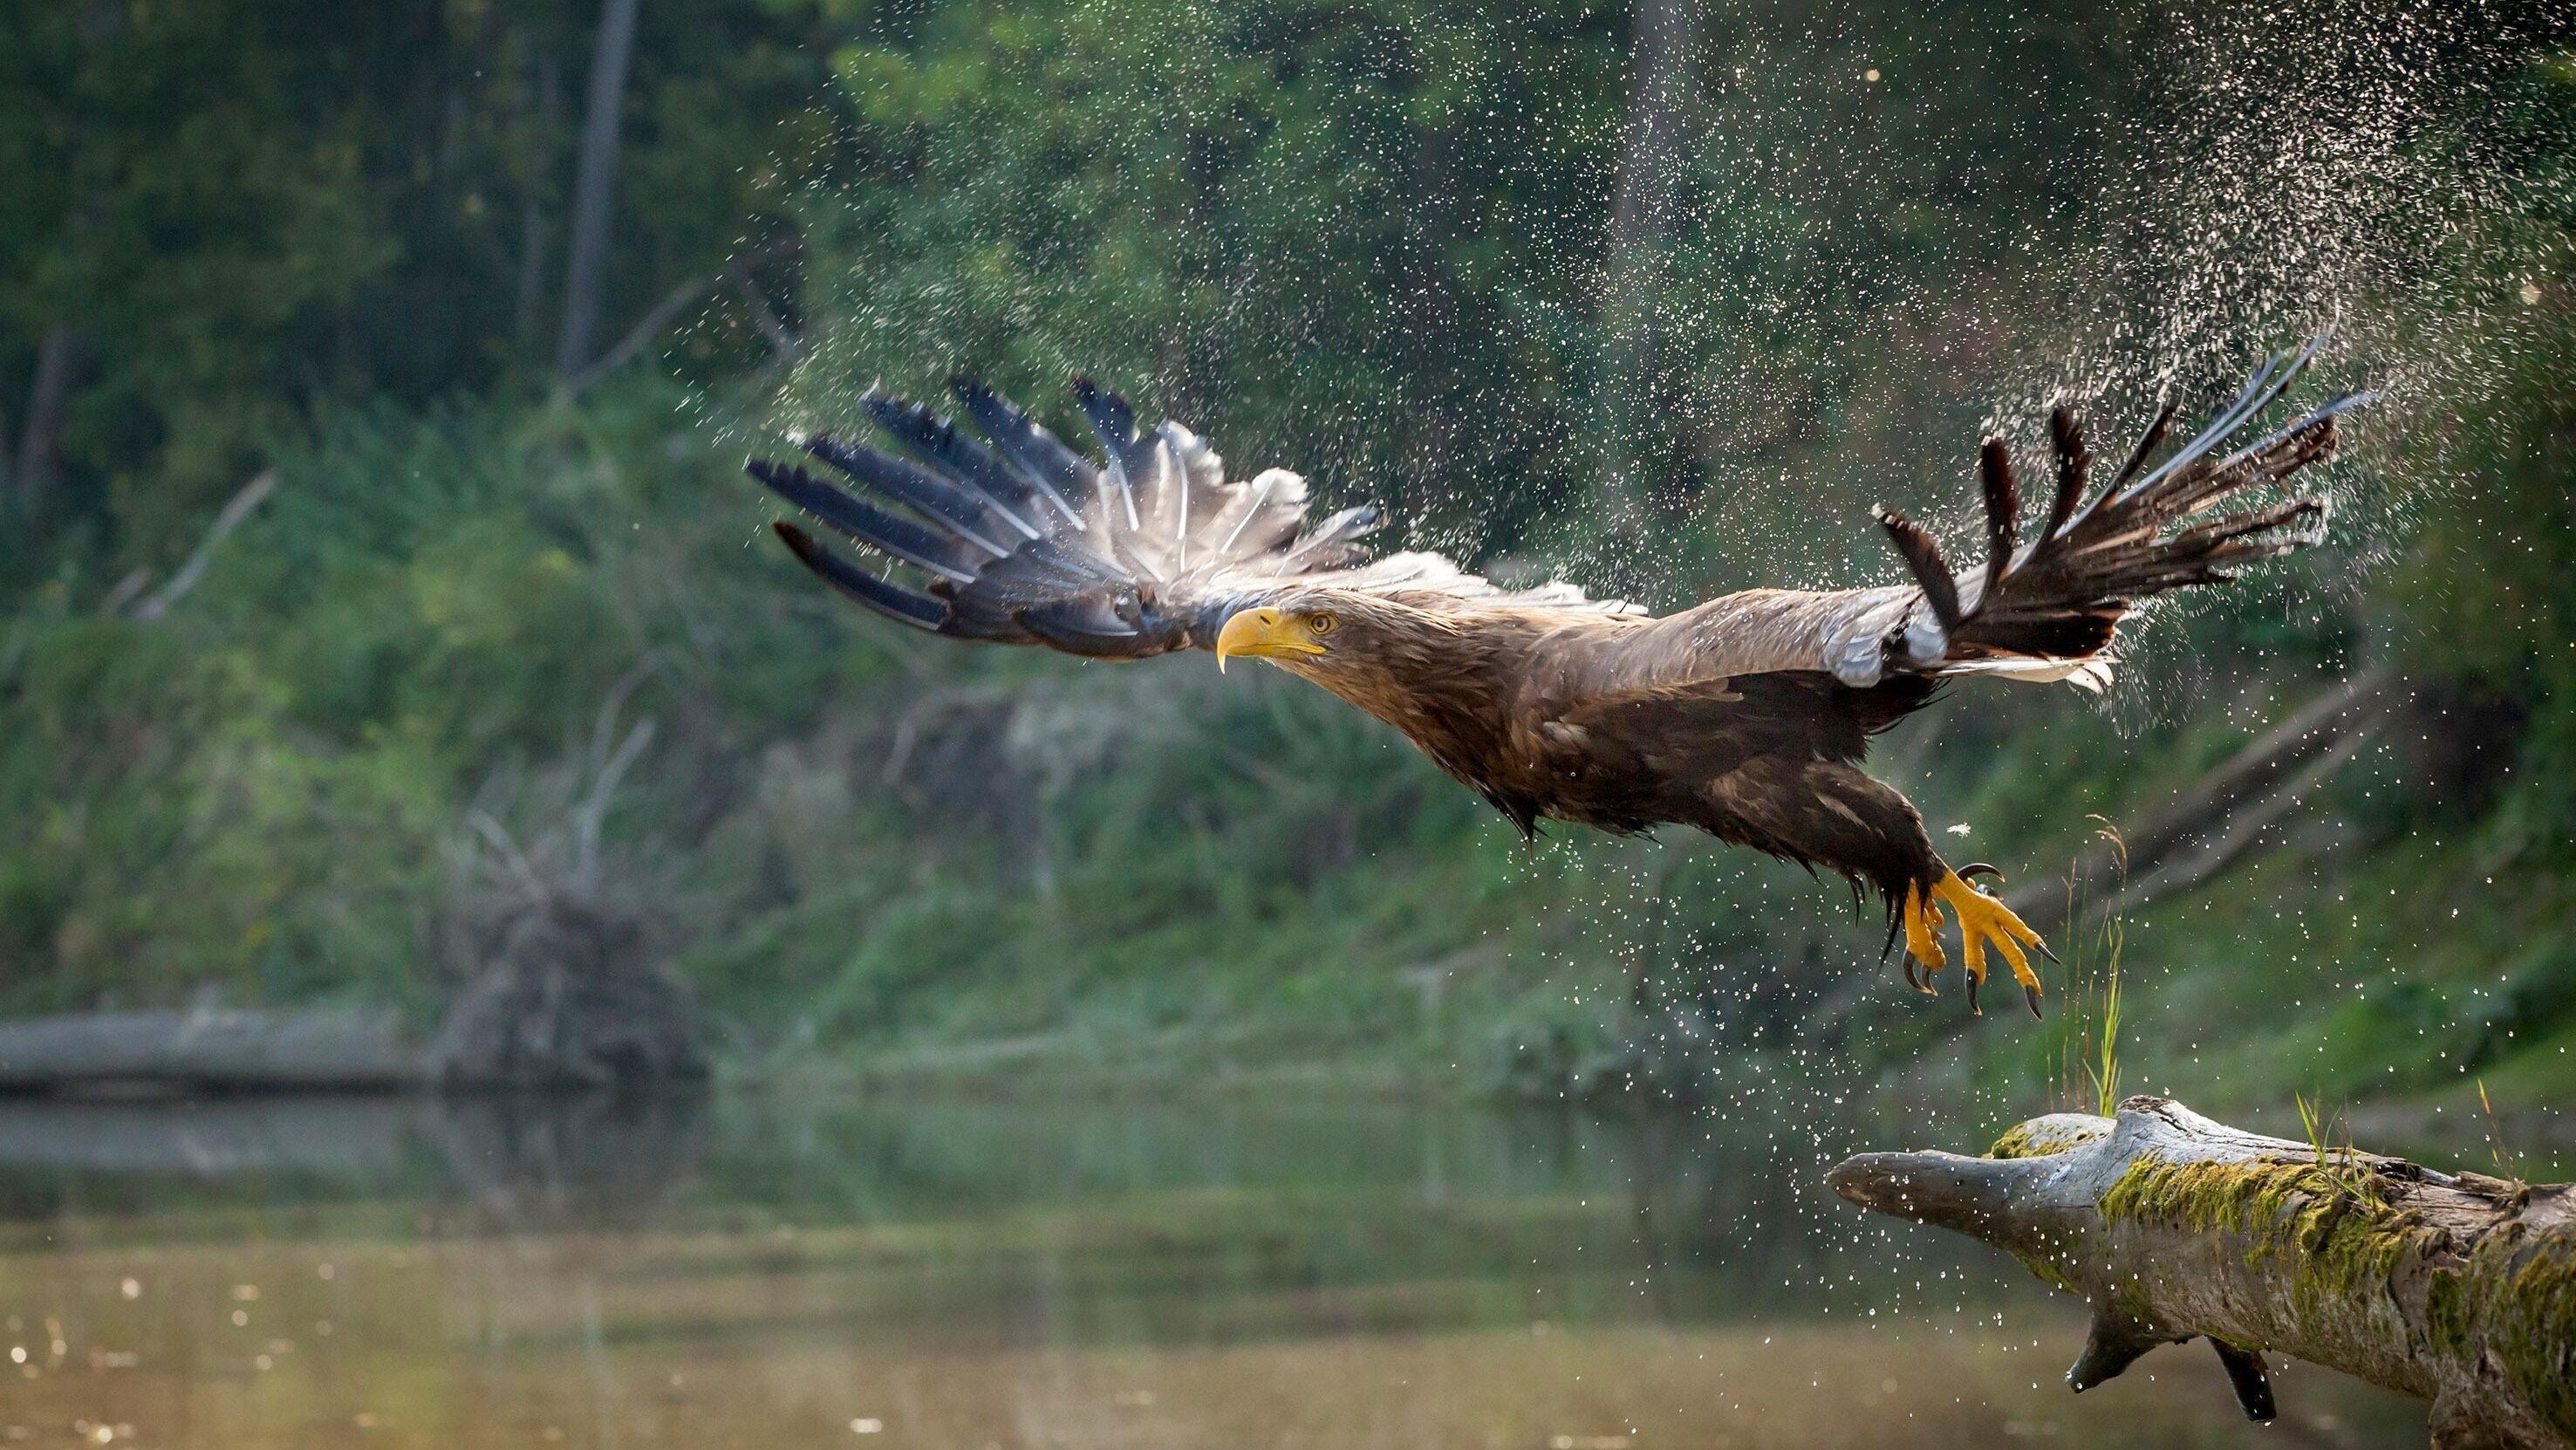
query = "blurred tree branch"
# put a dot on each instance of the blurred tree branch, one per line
(250, 497)
(736, 274)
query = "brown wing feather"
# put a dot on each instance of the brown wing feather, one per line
(2039, 609)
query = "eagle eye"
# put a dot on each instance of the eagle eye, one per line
(1320, 624)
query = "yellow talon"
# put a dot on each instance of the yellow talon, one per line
(1983, 919)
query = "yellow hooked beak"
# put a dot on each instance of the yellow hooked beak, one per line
(1264, 634)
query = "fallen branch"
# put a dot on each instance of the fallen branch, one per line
(201, 1048)
(251, 496)
(2312, 730)
(2172, 874)
(2223, 815)
(127, 590)
(2461, 1290)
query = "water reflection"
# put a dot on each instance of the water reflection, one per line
(1017, 1274)
(548, 1161)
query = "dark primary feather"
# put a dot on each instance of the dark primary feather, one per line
(2063, 595)
(933, 440)
(2073, 464)
(1055, 470)
(2147, 445)
(2260, 392)
(912, 543)
(1922, 555)
(2003, 506)
(1114, 424)
(942, 502)
(1027, 542)
(900, 605)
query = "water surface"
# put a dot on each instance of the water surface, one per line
(874, 1274)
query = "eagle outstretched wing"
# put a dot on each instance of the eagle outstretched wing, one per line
(1022, 540)
(2042, 609)
(1019, 539)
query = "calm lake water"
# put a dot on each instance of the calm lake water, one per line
(1025, 1274)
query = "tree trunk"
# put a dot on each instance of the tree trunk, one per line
(595, 184)
(2460, 1289)
(1649, 170)
(48, 402)
(1641, 213)
(539, 164)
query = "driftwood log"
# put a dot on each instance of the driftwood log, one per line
(2460, 1289)
(209, 1048)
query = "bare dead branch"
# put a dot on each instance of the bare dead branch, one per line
(126, 591)
(2223, 815)
(238, 509)
(667, 311)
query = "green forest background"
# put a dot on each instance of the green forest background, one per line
(1666, 295)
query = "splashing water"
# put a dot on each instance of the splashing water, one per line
(1671, 310)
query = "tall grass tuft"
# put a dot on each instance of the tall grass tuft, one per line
(2342, 1165)
(2089, 1053)
(2495, 1138)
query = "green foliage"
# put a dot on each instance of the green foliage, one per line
(250, 216)
(1374, 242)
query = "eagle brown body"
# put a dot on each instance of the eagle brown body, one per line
(1537, 711)
(1746, 717)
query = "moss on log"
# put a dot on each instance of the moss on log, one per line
(2457, 1288)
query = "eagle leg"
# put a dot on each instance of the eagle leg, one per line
(1982, 921)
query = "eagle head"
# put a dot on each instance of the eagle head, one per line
(1326, 633)
(1385, 654)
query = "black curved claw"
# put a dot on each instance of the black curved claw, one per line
(1973, 1009)
(1913, 978)
(2033, 994)
(1981, 868)
(2041, 947)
